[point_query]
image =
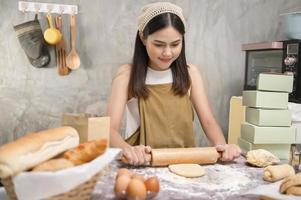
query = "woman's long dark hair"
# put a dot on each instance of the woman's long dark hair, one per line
(179, 68)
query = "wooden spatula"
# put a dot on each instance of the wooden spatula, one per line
(73, 60)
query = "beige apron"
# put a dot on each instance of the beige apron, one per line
(166, 120)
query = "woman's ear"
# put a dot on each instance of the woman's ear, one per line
(142, 38)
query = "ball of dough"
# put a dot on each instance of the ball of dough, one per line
(187, 170)
(261, 158)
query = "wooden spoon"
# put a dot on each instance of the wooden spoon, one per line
(72, 59)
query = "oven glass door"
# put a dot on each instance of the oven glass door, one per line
(260, 61)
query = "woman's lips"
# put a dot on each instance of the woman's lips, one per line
(165, 60)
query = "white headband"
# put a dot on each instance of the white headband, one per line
(152, 10)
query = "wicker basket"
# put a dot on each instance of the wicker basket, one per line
(80, 192)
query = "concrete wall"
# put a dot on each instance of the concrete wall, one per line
(34, 99)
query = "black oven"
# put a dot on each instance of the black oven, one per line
(274, 57)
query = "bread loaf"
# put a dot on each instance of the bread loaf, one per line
(86, 152)
(54, 165)
(34, 148)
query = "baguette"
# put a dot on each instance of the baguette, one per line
(35, 148)
(53, 165)
(86, 152)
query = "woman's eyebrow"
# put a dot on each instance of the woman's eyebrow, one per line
(159, 41)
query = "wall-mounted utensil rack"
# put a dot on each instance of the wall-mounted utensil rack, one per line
(38, 7)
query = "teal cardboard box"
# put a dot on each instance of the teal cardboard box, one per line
(268, 135)
(262, 99)
(268, 117)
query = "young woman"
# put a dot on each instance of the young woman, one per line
(159, 90)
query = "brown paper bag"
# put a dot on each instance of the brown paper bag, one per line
(88, 126)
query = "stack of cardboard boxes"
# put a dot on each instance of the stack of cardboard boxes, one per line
(268, 120)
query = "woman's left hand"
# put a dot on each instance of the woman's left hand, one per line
(228, 152)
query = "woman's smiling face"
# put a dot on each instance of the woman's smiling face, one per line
(163, 47)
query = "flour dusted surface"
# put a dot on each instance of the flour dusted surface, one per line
(228, 181)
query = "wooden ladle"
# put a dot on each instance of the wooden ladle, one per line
(72, 60)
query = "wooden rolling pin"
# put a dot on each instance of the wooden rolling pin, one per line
(167, 156)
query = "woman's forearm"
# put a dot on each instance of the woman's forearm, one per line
(117, 141)
(214, 133)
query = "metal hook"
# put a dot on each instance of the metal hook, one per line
(62, 9)
(23, 7)
(73, 11)
(49, 8)
(37, 8)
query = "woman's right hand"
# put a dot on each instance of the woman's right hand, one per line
(137, 155)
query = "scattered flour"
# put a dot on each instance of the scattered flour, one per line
(221, 182)
(217, 177)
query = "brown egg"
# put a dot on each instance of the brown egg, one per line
(124, 171)
(121, 185)
(152, 186)
(136, 190)
(138, 176)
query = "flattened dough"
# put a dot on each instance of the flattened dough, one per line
(187, 170)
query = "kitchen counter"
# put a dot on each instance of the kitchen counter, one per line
(221, 181)
(235, 180)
